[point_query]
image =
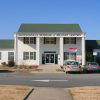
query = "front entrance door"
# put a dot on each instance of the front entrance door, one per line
(50, 58)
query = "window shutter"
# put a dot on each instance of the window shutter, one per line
(55, 40)
(75, 40)
(34, 55)
(24, 40)
(44, 40)
(34, 40)
(64, 40)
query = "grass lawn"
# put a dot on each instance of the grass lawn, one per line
(19, 68)
(14, 92)
(85, 93)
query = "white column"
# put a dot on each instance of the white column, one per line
(15, 49)
(83, 50)
(38, 50)
(61, 51)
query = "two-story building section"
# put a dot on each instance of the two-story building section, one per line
(37, 44)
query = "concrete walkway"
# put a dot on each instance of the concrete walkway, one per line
(49, 69)
(50, 94)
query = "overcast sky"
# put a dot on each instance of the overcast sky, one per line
(83, 12)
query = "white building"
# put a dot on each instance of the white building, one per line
(6, 51)
(36, 44)
(49, 44)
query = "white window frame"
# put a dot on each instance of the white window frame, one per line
(29, 40)
(25, 55)
(29, 55)
(49, 40)
(69, 40)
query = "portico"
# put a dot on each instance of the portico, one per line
(52, 47)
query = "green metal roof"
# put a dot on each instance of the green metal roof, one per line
(49, 28)
(92, 44)
(6, 44)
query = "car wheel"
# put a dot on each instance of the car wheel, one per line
(67, 72)
(85, 71)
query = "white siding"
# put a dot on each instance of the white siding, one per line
(25, 48)
(4, 55)
(46, 47)
(78, 46)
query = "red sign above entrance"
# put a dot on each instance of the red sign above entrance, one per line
(72, 49)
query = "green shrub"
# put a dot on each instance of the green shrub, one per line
(4, 63)
(89, 56)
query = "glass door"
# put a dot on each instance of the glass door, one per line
(49, 58)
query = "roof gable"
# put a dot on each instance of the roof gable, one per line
(49, 28)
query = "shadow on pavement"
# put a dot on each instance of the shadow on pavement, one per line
(6, 71)
(91, 72)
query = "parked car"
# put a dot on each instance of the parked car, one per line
(70, 66)
(91, 66)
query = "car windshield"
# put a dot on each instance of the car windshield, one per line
(93, 63)
(72, 63)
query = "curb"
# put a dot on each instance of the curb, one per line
(69, 96)
(28, 94)
(47, 72)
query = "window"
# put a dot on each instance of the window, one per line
(11, 56)
(29, 56)
(32, 40)
(26, 56)
(73, 55)
(49, 40)
(34, 55)
(26, 40)
(66, 55)
(29, 40)
(69, 55)
(0, 55)
(71, 40)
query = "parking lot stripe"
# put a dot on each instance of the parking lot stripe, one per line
(50, 80)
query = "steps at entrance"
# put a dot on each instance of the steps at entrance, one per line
(49, 65)
(49, 68)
